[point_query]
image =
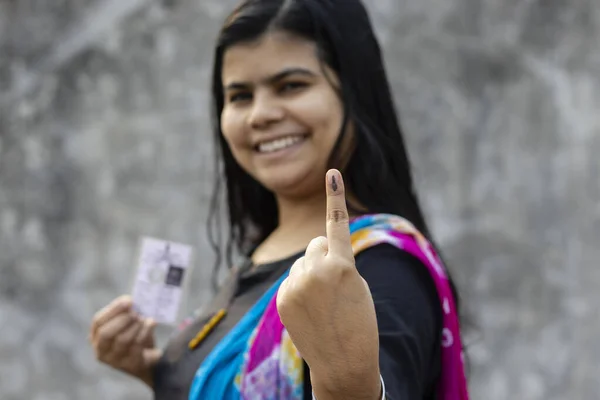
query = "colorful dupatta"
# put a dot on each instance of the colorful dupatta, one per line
(257, 360)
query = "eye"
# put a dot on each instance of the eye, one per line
(239, 96)
(291, 86)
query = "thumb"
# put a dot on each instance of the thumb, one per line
(151, 356)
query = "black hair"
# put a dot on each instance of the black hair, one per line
(378, 171)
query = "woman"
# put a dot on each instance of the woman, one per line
(366, 310)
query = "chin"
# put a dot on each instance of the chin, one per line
(284, 182)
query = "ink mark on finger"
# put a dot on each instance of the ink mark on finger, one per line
(334, 184)
(338, 216)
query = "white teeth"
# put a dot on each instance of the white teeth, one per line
(279, 144)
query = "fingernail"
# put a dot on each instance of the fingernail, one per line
(334, 180)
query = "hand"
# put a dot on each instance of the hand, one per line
(328, 310)
(124, 340)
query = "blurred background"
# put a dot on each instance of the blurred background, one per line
(105, 137)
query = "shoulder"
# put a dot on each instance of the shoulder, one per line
(386, 252)
(385, 262)
(400, 282)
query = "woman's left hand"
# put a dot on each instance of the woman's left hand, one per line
(328, 310)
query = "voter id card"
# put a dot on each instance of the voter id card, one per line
(160, 280)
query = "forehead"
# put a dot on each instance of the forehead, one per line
(259, 59)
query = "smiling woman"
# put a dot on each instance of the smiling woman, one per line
(281, 116)
(342, 294)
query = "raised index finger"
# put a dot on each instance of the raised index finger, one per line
(338, 229)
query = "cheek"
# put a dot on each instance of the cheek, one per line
(328, 121)
(232, 128)
(321, 111)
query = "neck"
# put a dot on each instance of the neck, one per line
(305, 215)
(300, 221)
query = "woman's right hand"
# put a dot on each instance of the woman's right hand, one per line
(124, 340)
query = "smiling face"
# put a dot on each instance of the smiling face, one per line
(281, 115)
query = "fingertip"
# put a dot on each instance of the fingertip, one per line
(135, 316)
(123, 303)
(335, 183)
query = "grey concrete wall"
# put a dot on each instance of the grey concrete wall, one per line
(104, 137)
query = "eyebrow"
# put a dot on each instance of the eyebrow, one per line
(273, 79)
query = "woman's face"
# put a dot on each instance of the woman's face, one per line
(281, 115)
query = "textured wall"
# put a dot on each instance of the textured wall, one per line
(104, 137)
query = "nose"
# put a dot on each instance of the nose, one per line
(265, 111)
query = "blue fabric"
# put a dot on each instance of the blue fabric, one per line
(215, 377)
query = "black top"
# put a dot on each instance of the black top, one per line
(409, 318)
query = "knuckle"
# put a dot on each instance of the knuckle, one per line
(348, 270)
(299, 261)
(288, 302)
(141, 339)
(317, 244)
(296, 266)
(122, 340)
(338, 267)
(320, 240)
(339, 262)
(104, 336)
(283, 303)
(337, 215)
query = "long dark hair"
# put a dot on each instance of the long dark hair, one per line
(378, 171)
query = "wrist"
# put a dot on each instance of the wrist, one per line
(147, 377)
(146, 371)
(331, 386)
(380, 396)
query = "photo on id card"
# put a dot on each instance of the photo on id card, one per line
(161, 278)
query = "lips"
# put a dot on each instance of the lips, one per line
(280, 143)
